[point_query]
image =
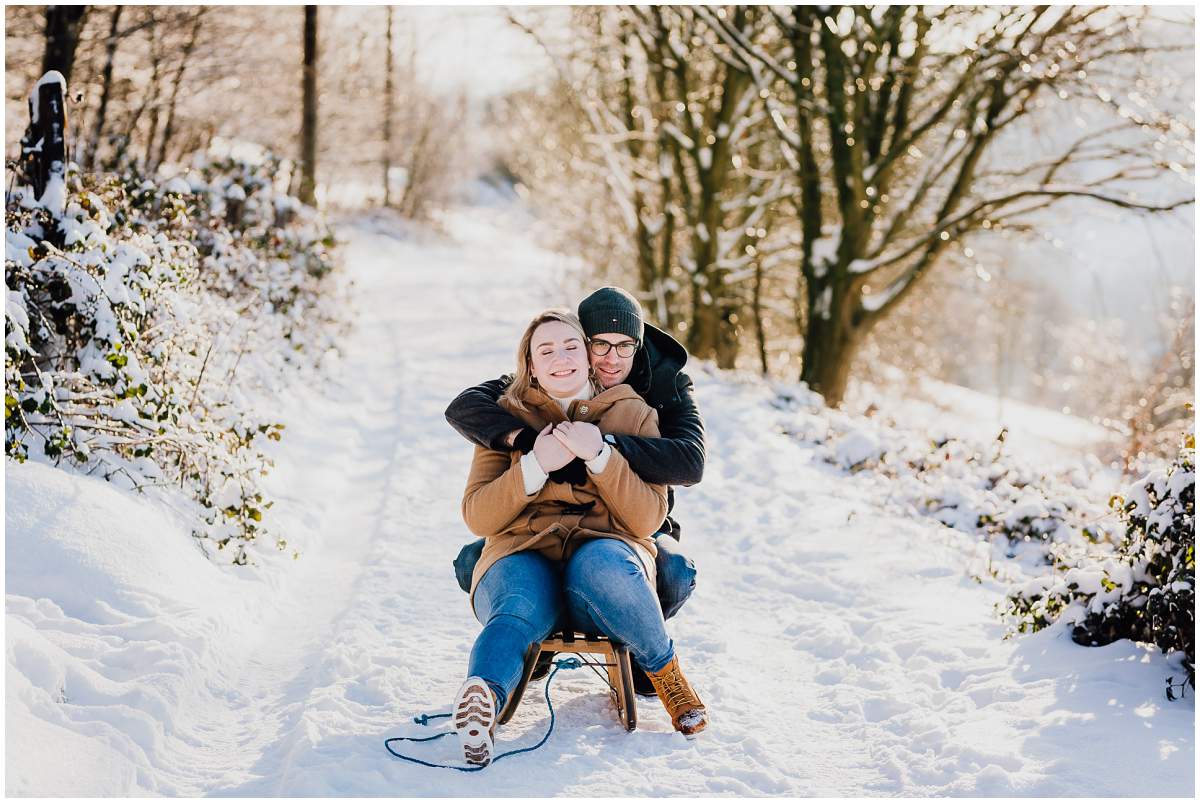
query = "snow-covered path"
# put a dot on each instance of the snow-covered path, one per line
(842, 650)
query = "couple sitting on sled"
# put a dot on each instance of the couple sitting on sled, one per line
(569, 489)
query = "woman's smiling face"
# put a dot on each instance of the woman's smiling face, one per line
(558, 359)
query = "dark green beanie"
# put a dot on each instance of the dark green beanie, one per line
(611, 309)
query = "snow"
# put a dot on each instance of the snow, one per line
(51, 77)
(842, 646)
(178, 185)
(683, 139)
(14, 308)
(54, 197)
(1028, 508)
(1034, 431)
(856, 448)
(824, 302)
(877, 301)
(666, 168)
(824, 250)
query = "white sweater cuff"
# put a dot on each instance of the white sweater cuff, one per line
(532, 474)
(596, 464)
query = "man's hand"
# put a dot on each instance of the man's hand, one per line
(551, 454)
(584, 440)
(522, 439)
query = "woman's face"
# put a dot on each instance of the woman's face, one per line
(559, 359)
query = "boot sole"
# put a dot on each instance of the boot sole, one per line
(475, 721)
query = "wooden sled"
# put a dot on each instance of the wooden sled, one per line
(614, 658)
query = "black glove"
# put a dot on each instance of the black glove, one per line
(574, 472)
(525, 440)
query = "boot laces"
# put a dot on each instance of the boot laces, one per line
(678, 692)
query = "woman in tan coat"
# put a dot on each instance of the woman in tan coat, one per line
(568, 531)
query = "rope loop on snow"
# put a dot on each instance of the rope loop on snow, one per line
(423, 719)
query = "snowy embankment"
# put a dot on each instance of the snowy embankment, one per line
(843, 645)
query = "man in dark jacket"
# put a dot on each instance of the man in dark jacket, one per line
(623, 348)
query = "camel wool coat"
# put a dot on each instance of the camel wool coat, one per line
(616, 503)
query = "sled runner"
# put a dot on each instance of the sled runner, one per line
(615, 659)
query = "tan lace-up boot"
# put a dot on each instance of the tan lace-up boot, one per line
(688, 714)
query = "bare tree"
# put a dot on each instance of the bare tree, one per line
(152, 100)
(674, 130)
(110, 52)
(429, 144)
(184, 56)
(704, 117)
(388, 101)
(1162, 405)
(888, 115)
(308, 125)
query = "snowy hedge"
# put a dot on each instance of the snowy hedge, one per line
(146, 321)
(1125, 570)
(1023, 508)
(1144, 588)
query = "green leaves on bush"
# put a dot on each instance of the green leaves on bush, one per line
(1144, 589)
(143, 324)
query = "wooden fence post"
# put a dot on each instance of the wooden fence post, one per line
(44, 146)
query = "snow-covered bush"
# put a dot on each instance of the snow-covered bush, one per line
(1144, 588)
(974, 487)
(1124, 569)
(141, 324)
(986, 491)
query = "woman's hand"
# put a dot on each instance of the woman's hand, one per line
(550, 452)
(583, 439)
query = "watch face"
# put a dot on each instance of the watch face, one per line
(608, 438)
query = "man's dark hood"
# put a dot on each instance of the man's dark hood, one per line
(656, 367)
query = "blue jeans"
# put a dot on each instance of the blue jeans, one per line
(675, 570)
(676, 575)
(525, 597)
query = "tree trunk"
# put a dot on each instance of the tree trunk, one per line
(63, 24)
(830, 340)
(728, 344)
(713, 333)
(153, 93)
(414, 172)
(308, 125)
(760, 332)
(110, 52)
(714, 329)
(388, 100)
(153, 133)
(126, 142)
(715, 305)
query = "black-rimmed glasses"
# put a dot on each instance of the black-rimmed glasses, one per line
(624, 350)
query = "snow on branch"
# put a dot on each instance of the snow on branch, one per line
(681, 138)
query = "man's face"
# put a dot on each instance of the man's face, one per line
(611, 368)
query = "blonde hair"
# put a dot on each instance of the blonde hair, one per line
(523, 379)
